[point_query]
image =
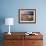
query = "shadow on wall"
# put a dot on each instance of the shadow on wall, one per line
(2, 21)
(1, 39)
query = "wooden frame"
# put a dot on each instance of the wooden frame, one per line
(27, 15)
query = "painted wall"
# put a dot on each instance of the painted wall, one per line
(9, 8)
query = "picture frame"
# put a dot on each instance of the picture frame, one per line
(27, 15)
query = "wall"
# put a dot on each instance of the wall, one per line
(9, 8)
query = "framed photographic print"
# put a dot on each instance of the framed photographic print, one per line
(27, 15)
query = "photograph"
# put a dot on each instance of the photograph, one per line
(27, 15)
